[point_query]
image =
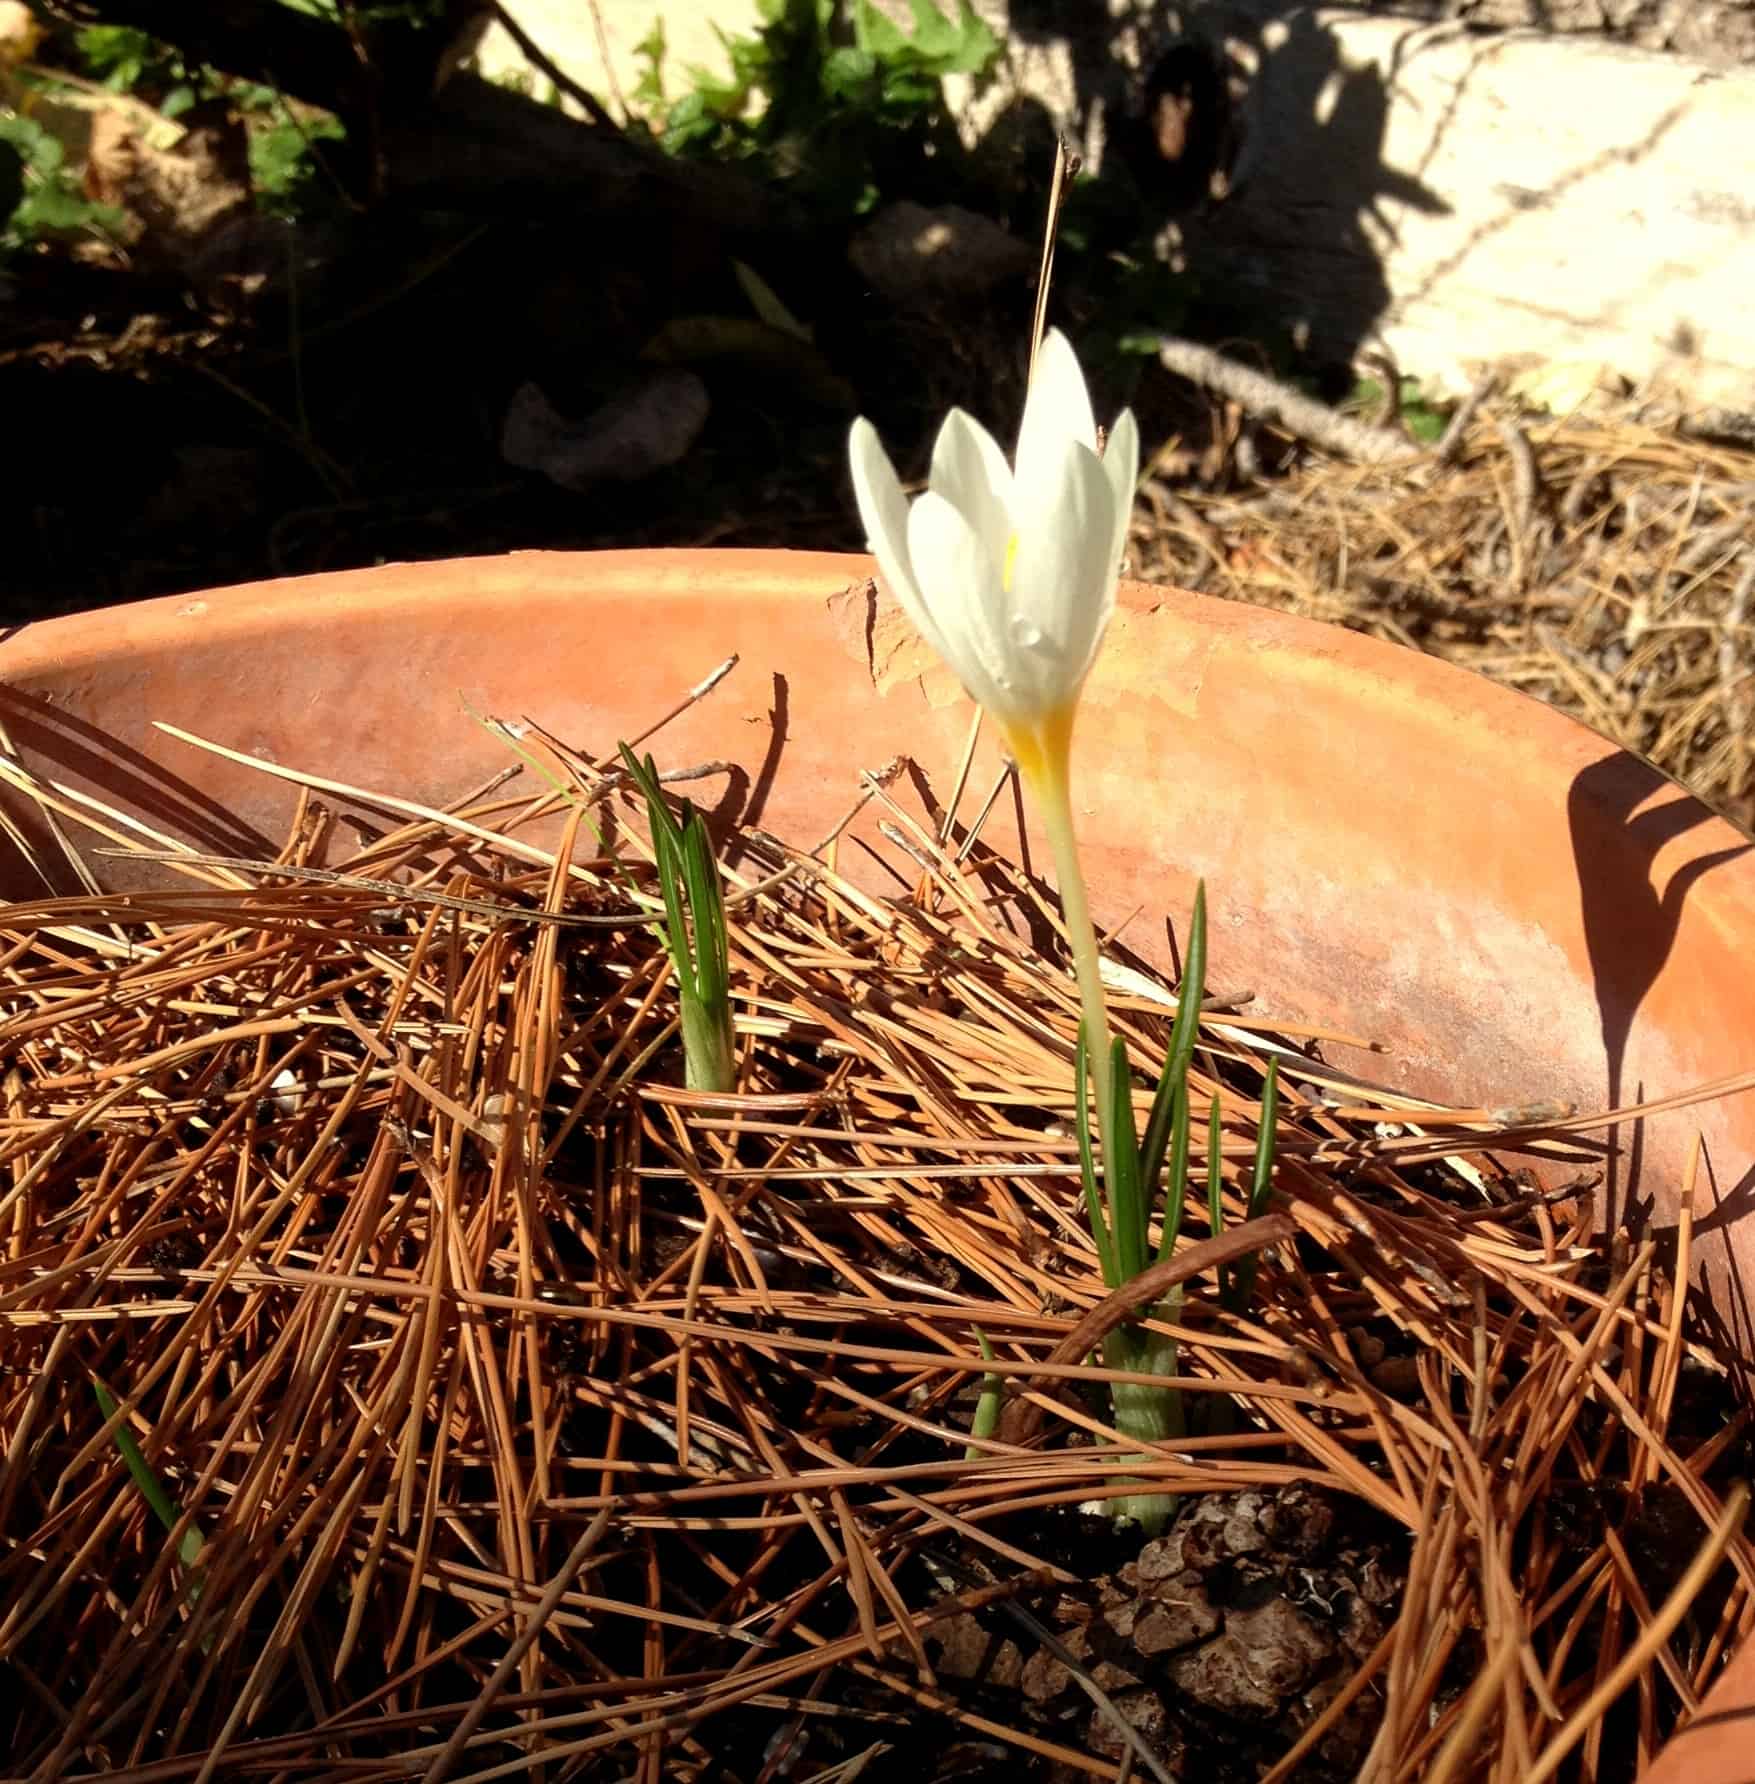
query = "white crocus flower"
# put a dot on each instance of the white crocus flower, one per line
(1010, 574)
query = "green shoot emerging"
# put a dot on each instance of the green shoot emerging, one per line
(987, 1407)
(694, 931)
(1121, 1210)
(1239, 1283)
(152, 1490)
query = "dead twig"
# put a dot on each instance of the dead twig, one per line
(1456, 430)
(1281, 406)
(539, 59)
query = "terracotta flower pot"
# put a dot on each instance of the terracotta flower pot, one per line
(1513, 907)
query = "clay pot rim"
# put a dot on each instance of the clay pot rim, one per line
(235, 611)
(1372, 669)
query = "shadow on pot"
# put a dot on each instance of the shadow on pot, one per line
(75, 751)
(1630, 922)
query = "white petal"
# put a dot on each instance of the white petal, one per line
(883, 510)
(970, 472)
(961, 587)
(1063, 580)
(1121, 466)
(1057, 409)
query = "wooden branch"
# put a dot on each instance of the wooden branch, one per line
(483, 148)
(257, 39)
(1281, 406)
(539, 59)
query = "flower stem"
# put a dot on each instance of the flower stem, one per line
(1046, 761)
(1151, 1414)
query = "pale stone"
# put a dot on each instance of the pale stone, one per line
(1565, 210)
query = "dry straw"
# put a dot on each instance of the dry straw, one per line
(1599, 562)
(519, 1410)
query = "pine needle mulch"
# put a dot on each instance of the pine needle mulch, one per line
(1605, 565)
(401, 1377)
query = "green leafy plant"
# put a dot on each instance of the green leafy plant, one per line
(283, 160)
(647, 92)
(119, 56)
(823, 114)
(908, 66)
(126, 59)
(48, 198)
(694, 930)
(1122, 1196)
(41, 198)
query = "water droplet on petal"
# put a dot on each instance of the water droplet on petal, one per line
(1025, 632)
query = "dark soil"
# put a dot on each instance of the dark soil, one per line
(1218, 1642)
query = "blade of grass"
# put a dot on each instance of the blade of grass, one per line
(1262, 1181)
(1176, 1192)
(1185, 1031)
(712, 963)
(1182, 1038)
(1128, 1213)
(151, 1488)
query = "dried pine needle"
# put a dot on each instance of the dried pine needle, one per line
(444, 1305)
